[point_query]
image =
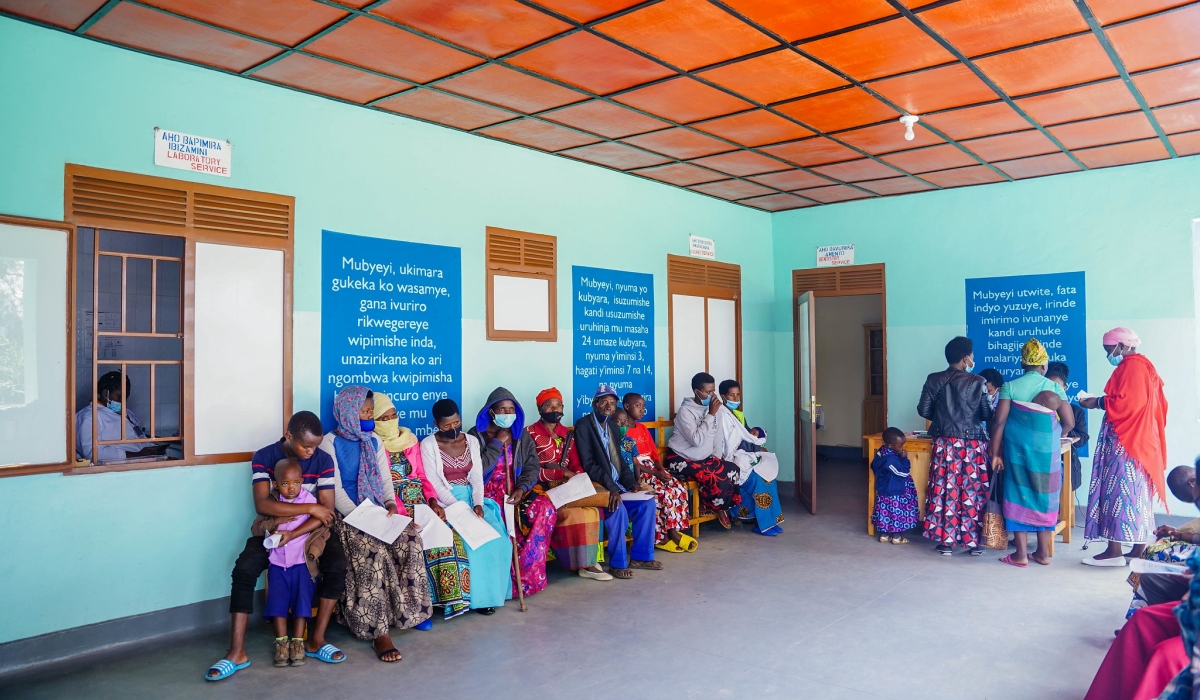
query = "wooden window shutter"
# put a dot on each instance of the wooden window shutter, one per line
(839, 281)
(717, 284)
(512, 256)
(112, 199)
(689, 275)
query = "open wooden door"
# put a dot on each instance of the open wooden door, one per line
(804, 325)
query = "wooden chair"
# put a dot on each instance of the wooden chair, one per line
(696, 513)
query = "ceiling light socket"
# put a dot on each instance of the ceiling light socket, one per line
(908, 120)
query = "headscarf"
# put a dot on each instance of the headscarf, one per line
(546, 394)
(1034, 353)
(1122, 336)
(395, 437)
(346, 406)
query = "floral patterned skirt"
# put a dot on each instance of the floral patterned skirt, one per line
(386, 586)
(716, 477)
(672, 499)
(1119, 507)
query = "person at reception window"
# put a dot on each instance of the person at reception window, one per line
(386, 586)
(1059, 373)
(109, 396)
(510, 471)
(575, 539)
(691, 451)
(1131, 453)
(303, 436)
(670, 494)
(599, 444)
(956, 404)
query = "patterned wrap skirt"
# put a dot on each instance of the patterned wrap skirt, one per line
(896, 513)
(718, 479)
(956, 499)
(672, 499)
(760, 503)
(1119, 506)
(386, 586)
(575, 540)
(537, 517)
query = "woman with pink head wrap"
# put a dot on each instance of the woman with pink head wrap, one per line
(1129, 467)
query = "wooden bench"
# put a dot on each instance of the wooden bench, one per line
(697, 514)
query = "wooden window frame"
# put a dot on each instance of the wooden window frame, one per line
(495, 268)
(197, 225)
(711, 272)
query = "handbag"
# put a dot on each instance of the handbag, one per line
(994, 534)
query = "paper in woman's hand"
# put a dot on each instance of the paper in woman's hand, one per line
(474, 530)
(577, 487)
(374, 521)
(434, 533)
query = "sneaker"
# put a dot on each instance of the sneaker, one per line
(945, 550)
(977, 551)
(595, 575)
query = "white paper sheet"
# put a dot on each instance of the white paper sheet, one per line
(1144, 566)
(1081, 395)
(272, 541)
(577, 487)
(374, 521)
(434, 533)
(474, 530)
(637, 496)
(510, 519)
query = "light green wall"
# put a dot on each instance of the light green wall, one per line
(85, 549)
(1128, 228)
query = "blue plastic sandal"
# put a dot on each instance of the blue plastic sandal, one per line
(224, 668)
(326, 653)
(424, 626)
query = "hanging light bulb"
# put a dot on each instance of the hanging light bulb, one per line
(908, 120)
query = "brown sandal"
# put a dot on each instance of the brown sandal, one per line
(296, 652)
(649, 565)
(621, 573)
(282, 653)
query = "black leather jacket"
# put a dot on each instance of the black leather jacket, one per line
(956, 404)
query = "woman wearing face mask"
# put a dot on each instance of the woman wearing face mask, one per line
(957, 404)
(1130, 461)
(386, 587)
(507, 459)
(454, 467)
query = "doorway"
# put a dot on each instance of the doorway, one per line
(840, 328)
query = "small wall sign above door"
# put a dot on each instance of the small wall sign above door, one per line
(702, 248)
(199, 154)
(835, 255)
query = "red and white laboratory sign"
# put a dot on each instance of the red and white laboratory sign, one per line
(835, 255)
(199, 154)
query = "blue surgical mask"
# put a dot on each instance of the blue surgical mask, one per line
(706, 400)
(367, 426)
(114, 406)
(1114, 360)
(733, 405)
(504, 420)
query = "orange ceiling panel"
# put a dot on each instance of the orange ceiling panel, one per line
(1186, 144)
(932, 90)
(896, 185)
(836, 193)
(1094, 100)
(1047, 66)
(754, 128)
(812, 152)
(842, 109)
(680, 143)
(158, 32)
(605, 118)
(995, 118)
(538, 134)
(741, 163)
(1170, 85)
(587, 10)
(1109, 11)
(923, 160)
(684, 100)
(855, 170)
(1184, 117)
(681, 174)
(616, 155)
(1168, 38)
(1009, 146)
(1122, 153)
(773, 77)
(1050, 164)
(885, 138)
(791, 180)
(491, 27)
(510, 88)
(733, 189)
(687, 33)
(284, 21)
(60, 13)
(960, 177)
(317, 75)
(778, 202)
(1096, 132)
(445, 109)
(382, 47)
(800, 19)
(882, 49)
(591, 63)
(981, 26)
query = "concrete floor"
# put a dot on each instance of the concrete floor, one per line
(821, 612)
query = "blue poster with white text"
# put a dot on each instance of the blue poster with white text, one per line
(613, 335)
(391, 320)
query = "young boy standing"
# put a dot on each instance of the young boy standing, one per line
(289, 584)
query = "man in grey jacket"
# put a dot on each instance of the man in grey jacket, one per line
(691, 449)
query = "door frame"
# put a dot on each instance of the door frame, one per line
(851, 280)
(811, 500)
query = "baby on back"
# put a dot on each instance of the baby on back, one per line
(1048, 399)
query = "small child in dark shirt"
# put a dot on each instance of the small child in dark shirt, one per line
(895, 495)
